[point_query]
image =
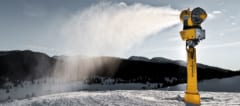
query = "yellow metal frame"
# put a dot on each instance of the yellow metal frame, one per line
(191, 93)
(188, 34)
(188, 14)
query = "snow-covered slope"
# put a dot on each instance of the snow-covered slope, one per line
(126, 98)
(53, 86)
(216, 85)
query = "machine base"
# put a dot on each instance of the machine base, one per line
(192, 98)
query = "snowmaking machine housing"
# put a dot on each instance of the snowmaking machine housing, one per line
(192, 33)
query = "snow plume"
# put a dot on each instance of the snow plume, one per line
(80, 68)
(108, 29)
(113, 28)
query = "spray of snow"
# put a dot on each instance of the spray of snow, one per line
(113, 28)
(108, 29)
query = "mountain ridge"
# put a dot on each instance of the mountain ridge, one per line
(17, 66)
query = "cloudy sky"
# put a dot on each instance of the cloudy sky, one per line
(120, 28)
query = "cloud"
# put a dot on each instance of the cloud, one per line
(113, 28)
(214, 14)
(217, 12)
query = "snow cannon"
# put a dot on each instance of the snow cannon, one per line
(192, 33)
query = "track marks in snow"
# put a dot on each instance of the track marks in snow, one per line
(126, 98)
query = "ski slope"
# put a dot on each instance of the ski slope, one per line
(126, 98)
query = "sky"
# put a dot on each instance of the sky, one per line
(121, 28)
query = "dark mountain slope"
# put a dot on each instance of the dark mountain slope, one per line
(18, 66)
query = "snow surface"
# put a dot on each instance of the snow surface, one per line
(52, 86)
(126, 98)
(217, 85)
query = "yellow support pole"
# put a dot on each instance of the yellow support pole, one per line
(191, 93)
